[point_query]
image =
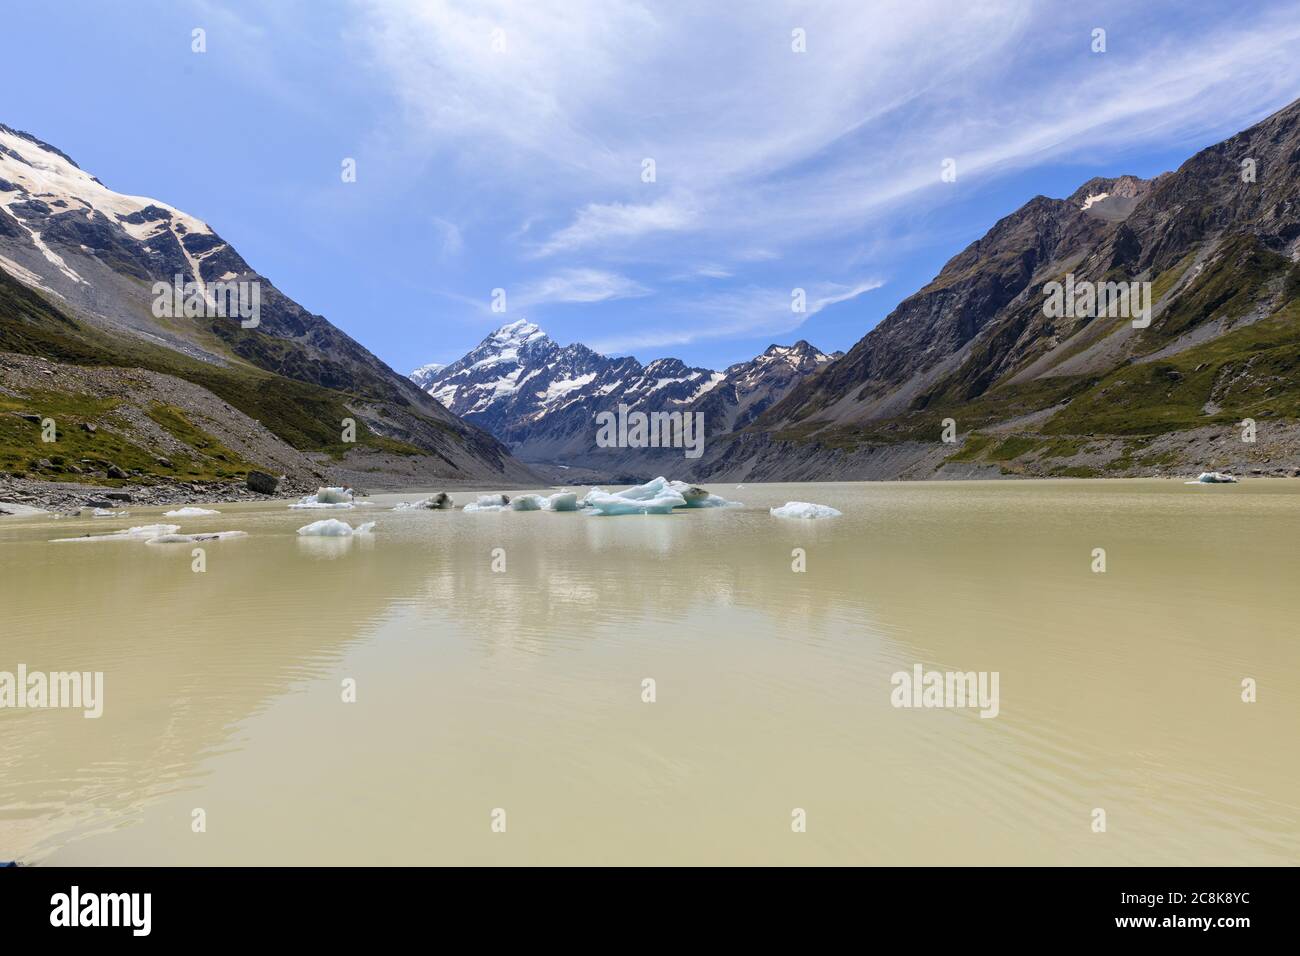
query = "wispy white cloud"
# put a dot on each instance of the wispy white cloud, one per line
(751, 310)
(579, 285)
(450, 241)
(833, 295)
(828, 161)
(750, 138)
(598, 223)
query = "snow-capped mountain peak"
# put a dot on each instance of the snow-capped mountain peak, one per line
(516, 334)
(747, 389)
(38, 181)
(423, 375)
(541, 398)
(47, 174)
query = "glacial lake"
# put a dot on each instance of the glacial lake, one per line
(523, 690)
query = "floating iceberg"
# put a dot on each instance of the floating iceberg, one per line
(333, 528)
(110, 513)
(652, 490)
(694, 496)
(607, 504)
(697, 497)
(142, 532)
(190, 513)
(192, 538)
(803, 509)
(1212, 478)
(489, 503)
(439, 502)
(325, 498)
(657, 496)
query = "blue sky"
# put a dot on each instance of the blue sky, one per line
(514, 159)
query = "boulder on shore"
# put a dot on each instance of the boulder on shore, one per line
(262, 483)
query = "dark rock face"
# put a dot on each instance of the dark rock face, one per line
(262, 483)
(1216, 240)
(749, 388)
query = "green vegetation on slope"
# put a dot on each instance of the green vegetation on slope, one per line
(308, 417)
(1251, 372)
(926, 425)
(1233, 284)
(81, 455)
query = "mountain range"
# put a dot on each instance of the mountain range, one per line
(976, 374)
(80, 271)
(1035, 393)
(542, 399)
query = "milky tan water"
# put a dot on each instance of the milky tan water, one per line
(522, 690)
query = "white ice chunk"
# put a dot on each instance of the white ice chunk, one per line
(659, 491)
(333, 496)
(190, 513)
(697, 497)
(562, 501)
(329, 501)
(337, 498)
(804, 509)
(527, 503)
(655, 488)
(439, 502)
(715, 501)
(664, 503)
(333, 528)
(192, 538)
(489, 503)
(141, 532)
(1213, 478)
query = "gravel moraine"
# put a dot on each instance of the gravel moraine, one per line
(69, 498)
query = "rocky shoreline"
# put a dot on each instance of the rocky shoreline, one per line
(33, 495)
(69, 498)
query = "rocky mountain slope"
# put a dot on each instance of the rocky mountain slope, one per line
(542, 398)
(1082, 393)
(78, 268)
(747, 389)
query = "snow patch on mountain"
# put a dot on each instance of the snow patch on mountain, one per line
(25, 275)
(43, 173)
(423, 375)
(564, 386)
